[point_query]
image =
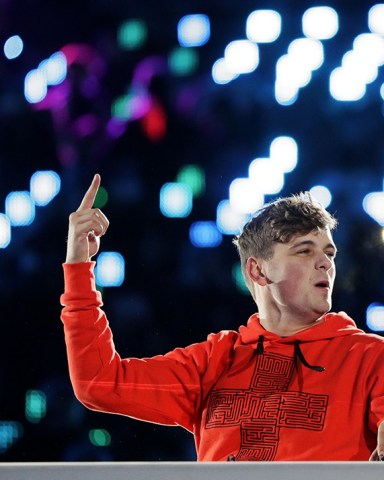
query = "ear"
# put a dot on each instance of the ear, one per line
(255, 272)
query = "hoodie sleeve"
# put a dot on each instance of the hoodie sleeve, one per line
(376, 384)
(165, 389)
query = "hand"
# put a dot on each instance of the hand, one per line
(379, 450)
(86, 226)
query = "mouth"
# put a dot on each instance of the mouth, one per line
(323, 284)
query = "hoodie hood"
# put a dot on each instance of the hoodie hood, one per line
(332, 325)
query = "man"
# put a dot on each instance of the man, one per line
(296, 383)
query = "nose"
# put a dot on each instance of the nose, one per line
(323, 262)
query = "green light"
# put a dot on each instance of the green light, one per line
(183, 61)
(121, 107)
(9, 433)
(193, 176)
(35, 405)
(99, 437)
(101, 198)
(132, 34)
(239, 279)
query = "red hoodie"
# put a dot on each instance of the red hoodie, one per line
(248, 395)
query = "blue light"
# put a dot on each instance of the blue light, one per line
(9, 433)
(263, 26)
(375, 317)
(193, 30)
(322, 195)
(176, 200)
(5, 231)
(20, 208)
(110, 269)
(35, 86)
(205, 235)
(373, 204)
(13, 47)
(44, 185)
(54, 68)
(228, 220)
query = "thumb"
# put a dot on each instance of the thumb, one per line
(90, 195)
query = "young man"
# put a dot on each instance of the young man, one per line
(296, 383)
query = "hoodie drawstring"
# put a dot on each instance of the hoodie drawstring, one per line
(300, 356)
(297, 354)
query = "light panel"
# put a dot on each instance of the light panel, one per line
(20, 208)
(110, 269)
(193, 30)
(5, 231)
(44, 186)
(263, 26)
(13, 47)
(205, 235)
(176, 200)
(375, 317)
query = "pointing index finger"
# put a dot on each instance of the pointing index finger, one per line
(90, 194)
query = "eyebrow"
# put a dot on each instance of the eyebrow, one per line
(312, 244)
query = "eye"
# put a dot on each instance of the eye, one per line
(304, 251)
(331, 254)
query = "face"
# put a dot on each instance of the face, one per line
(299, 277)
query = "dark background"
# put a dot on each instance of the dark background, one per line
(174, 294)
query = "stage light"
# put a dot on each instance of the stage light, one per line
(183, 61)
(344, 88)
(193, 176)
(245, 195)
(193, 30)
(54, 68)
(110, 269)
(221, 74)
(176, 200)
(228, 220)
(263, 26)
(44, 186)
(283, 151)
(241, 56)
(132, 34)
(205, 235)
(238, 279)
(99, 437)
(375, 317)
(382, 91)
(20, 208)
(359, 66)
(101, 198)
(370, 45)
(286, 93)
(293, 71)
(376, 19)
(35, 86)
(265, 177)
(13, 47)
(321, 23)
(35, 405)
(10, 432)
(5, 231)
(322, 195)
(373, 204)
(308, 51)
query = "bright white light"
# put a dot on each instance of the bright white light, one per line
(263, 26)
(20, 208)
(110, 269)
(321, 23)
(344, 88)
(373, 204)
(265, 177)
(241, 56)
(5, 231)
(244, 196)
(382, 91)
(375, 317)
(205, 235)
(220, 72)
(44, 186)
(360, 66)
(13, 47)
(284, 152)
(176, 200)
(307, 51)
(371, 45)
(193, 30)
(322, 195)
(35, 86)
(228, 220)
(54, 68)
(293, 72)
(286, 93)
(376, 19)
